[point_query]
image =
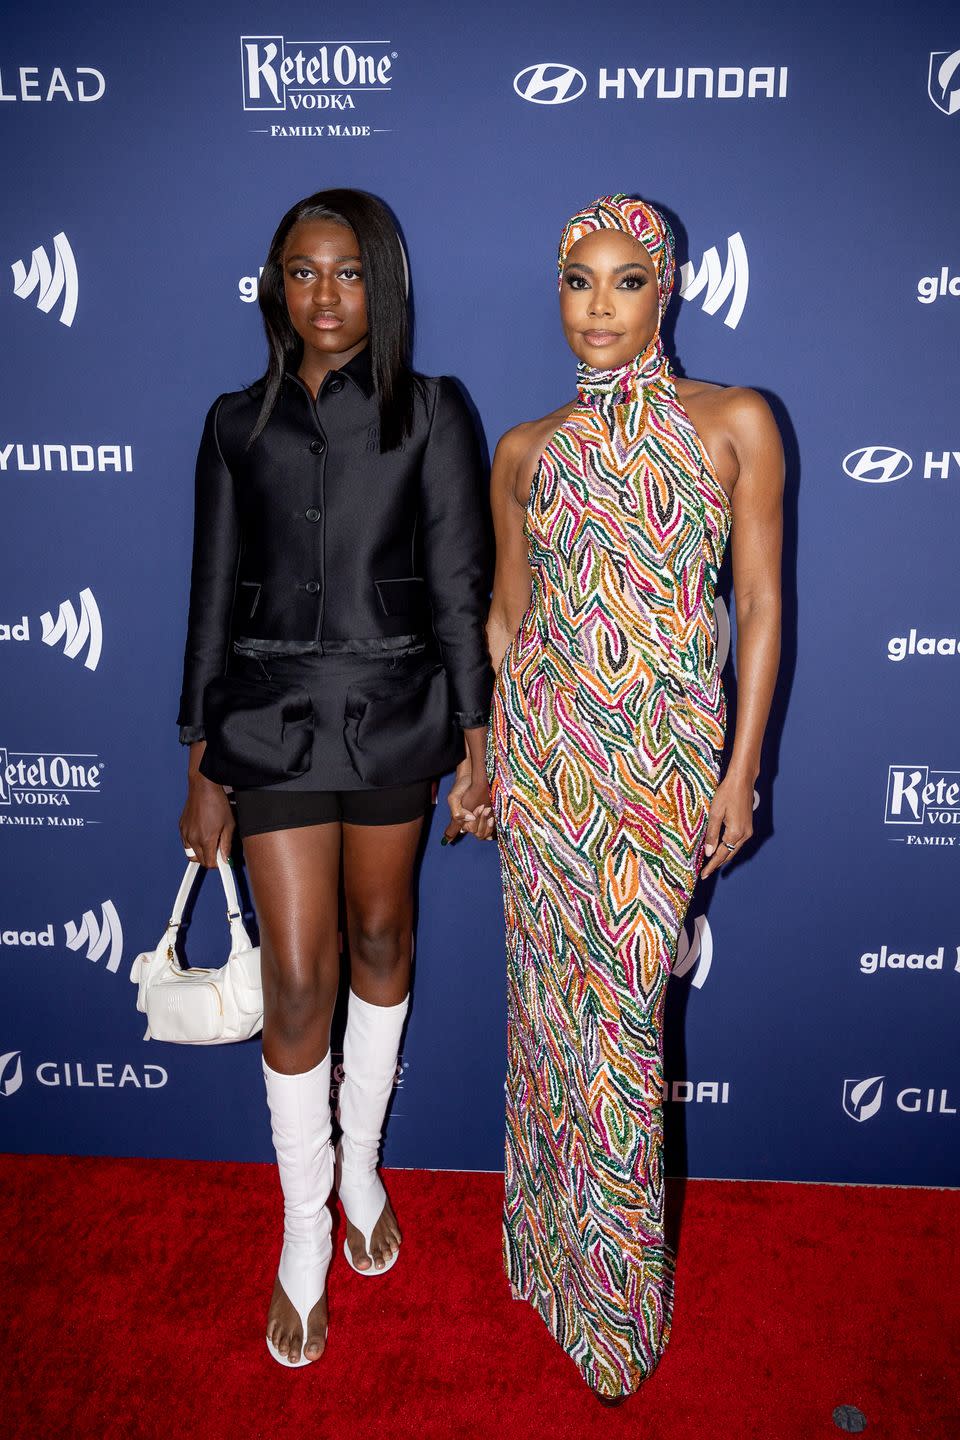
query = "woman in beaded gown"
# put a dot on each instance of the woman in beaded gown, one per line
(612, 516)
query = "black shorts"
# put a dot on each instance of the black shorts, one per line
(259, 811)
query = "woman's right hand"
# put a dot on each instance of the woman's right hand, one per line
(207, 822)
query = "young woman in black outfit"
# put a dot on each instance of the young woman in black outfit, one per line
(335, 664)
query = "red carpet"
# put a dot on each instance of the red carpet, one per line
(135, 1292)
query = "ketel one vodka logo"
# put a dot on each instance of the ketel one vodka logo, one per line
(32, 781)
(920, 797)
(305, 75)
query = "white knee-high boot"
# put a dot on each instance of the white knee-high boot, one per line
(370, 1045)
(301, 1125)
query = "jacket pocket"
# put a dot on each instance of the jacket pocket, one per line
(252, 589)
(258, 732)
(402, 730)
(402, 597)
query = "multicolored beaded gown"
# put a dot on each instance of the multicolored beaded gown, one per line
(607, 726)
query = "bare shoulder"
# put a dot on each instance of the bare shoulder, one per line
(530, 434)
(520, 448)
(735, 404)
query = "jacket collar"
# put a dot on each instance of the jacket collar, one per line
(358, 371)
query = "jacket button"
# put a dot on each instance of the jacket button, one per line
(316, 447)
(312, 586)
(312, 514)
(335, 387)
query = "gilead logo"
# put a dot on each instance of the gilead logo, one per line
(943, 81)
(46, 83)
(100, 1075)
(862, 1099)
(11, 1073)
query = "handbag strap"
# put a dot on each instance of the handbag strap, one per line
(229, 888)
(189, 880)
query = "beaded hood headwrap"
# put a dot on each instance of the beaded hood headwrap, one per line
(634, 217)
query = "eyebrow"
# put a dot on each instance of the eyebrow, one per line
(338, 259)
(617, 270)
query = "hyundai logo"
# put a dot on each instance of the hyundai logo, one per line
(877, 464)
(550, 84)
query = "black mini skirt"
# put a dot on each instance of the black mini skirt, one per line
(324, 691)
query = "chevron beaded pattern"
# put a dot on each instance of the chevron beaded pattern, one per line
(607, 726)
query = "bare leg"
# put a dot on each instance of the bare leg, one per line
(378, 862)
(295, 879)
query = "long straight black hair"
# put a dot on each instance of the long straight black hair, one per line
(385, 284)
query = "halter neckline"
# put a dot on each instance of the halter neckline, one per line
(625, 384)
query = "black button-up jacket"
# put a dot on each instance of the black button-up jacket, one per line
(312, 542)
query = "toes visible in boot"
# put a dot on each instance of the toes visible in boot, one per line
(316, 1331)
(358, 1249)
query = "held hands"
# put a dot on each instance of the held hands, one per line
(471, 808)
(730, 824)
(207, 823)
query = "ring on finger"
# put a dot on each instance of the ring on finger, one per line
(730, 847)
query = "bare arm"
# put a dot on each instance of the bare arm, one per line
(508, 604)
(756, 545)
(206, 824)
(512, 580)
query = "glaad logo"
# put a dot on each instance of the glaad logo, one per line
(67, 459)
(11, 1073)
(919, 795)
(899, 646)
(933, 286)
(695, 952)
(883, 959)
(29, 86)
(721, 631)
(98, 937)
(76, 632)
(50, 282)
(731, 282)
(93, 937)
(943, 81)
(550, 83)
(38, 779)
(863, 1098)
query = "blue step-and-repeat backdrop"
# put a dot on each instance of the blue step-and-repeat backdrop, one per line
(809, 157)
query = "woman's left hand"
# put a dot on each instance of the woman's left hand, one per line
(730, 824)
(471, 808)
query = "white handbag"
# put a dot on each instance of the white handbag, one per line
(201, 1007)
